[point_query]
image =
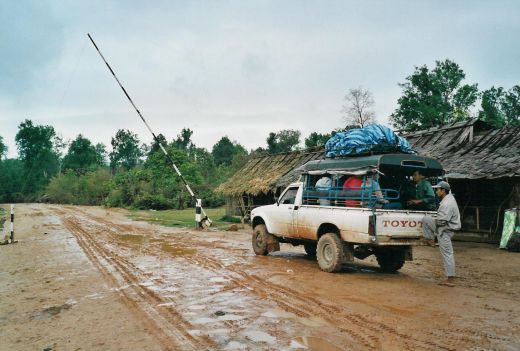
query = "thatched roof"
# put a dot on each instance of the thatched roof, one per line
(265, 173)
(471, 149)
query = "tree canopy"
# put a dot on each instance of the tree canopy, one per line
(3, 147)
(316, 139)
(37, 152)
(225, 150)
(83, 156)
(284, 141)
(434, 97)
(500, 107)
(125, 150)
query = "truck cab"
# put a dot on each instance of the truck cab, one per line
(350, 207)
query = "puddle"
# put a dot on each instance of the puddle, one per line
(259, 336)
(177, 251)
(218, 280)
(138, 239)
(133, 238)
(314, 344)
(309, 322)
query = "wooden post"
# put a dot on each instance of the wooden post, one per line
(477, 215)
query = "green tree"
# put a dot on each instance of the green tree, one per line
(126, 152)
(40, 159)
(155, 145)
(225, 150)
(101, 153)
(491, 107)
(183, 140)
(316, 139)
(82, 156)
(284, 141)
(434, 98)
(511, 106)
(3, 148)
(11, 180)
(500, 107)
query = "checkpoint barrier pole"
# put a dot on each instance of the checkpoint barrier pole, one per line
(12, 224)
(198, 210)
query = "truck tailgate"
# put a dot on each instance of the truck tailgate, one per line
(399, 225)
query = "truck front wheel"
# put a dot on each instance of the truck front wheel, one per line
(330, 253)
(391, 260)
(263, 242)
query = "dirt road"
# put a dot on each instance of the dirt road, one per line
(87, 278)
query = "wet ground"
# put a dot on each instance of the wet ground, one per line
(87, 278)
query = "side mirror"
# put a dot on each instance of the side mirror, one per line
(276, 198)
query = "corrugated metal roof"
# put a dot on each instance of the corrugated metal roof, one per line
(471, 149)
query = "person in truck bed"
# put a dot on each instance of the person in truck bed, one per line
(324, 184)
(424, 198)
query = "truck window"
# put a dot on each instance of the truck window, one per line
(289, 197)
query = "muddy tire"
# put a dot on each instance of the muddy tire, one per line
(390, 261)
(310, 249)
(263, 242)
(330, 253)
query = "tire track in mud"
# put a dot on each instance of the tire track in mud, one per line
(299, 304)
(170, 328)
(360, 330)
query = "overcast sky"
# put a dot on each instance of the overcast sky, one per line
(235, 68)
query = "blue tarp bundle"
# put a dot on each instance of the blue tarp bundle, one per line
(372, 138)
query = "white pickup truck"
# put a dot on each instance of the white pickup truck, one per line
(341, 222)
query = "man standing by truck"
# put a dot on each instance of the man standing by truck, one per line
(442, 227)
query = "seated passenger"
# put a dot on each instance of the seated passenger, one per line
(424, 198)
(353, 186)
(324, 184)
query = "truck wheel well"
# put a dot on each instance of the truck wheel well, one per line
(257, 220)
(327, 228)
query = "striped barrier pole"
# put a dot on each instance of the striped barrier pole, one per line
(198, 218)
(12, 224)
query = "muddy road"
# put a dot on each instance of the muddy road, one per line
(87, 278)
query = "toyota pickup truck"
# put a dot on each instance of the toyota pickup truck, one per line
(340, 221)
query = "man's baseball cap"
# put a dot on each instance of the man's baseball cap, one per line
(443, 185)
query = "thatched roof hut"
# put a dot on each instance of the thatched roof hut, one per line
(262, 178)
(265, 174)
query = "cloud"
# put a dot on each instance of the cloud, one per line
(31, 39)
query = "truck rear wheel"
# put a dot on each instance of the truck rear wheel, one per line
(263, 242)
(391, 260)
(310, 249)
(330, 253)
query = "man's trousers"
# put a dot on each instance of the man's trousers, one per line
(444, 235)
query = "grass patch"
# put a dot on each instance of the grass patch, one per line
(182, 218)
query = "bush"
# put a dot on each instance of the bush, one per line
(115, 198)
(89, 189)
(154, 202)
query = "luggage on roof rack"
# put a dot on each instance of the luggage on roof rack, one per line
(371, 139)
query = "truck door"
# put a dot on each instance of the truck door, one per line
(283, 218)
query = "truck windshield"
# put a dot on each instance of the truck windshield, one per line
(289, 196)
